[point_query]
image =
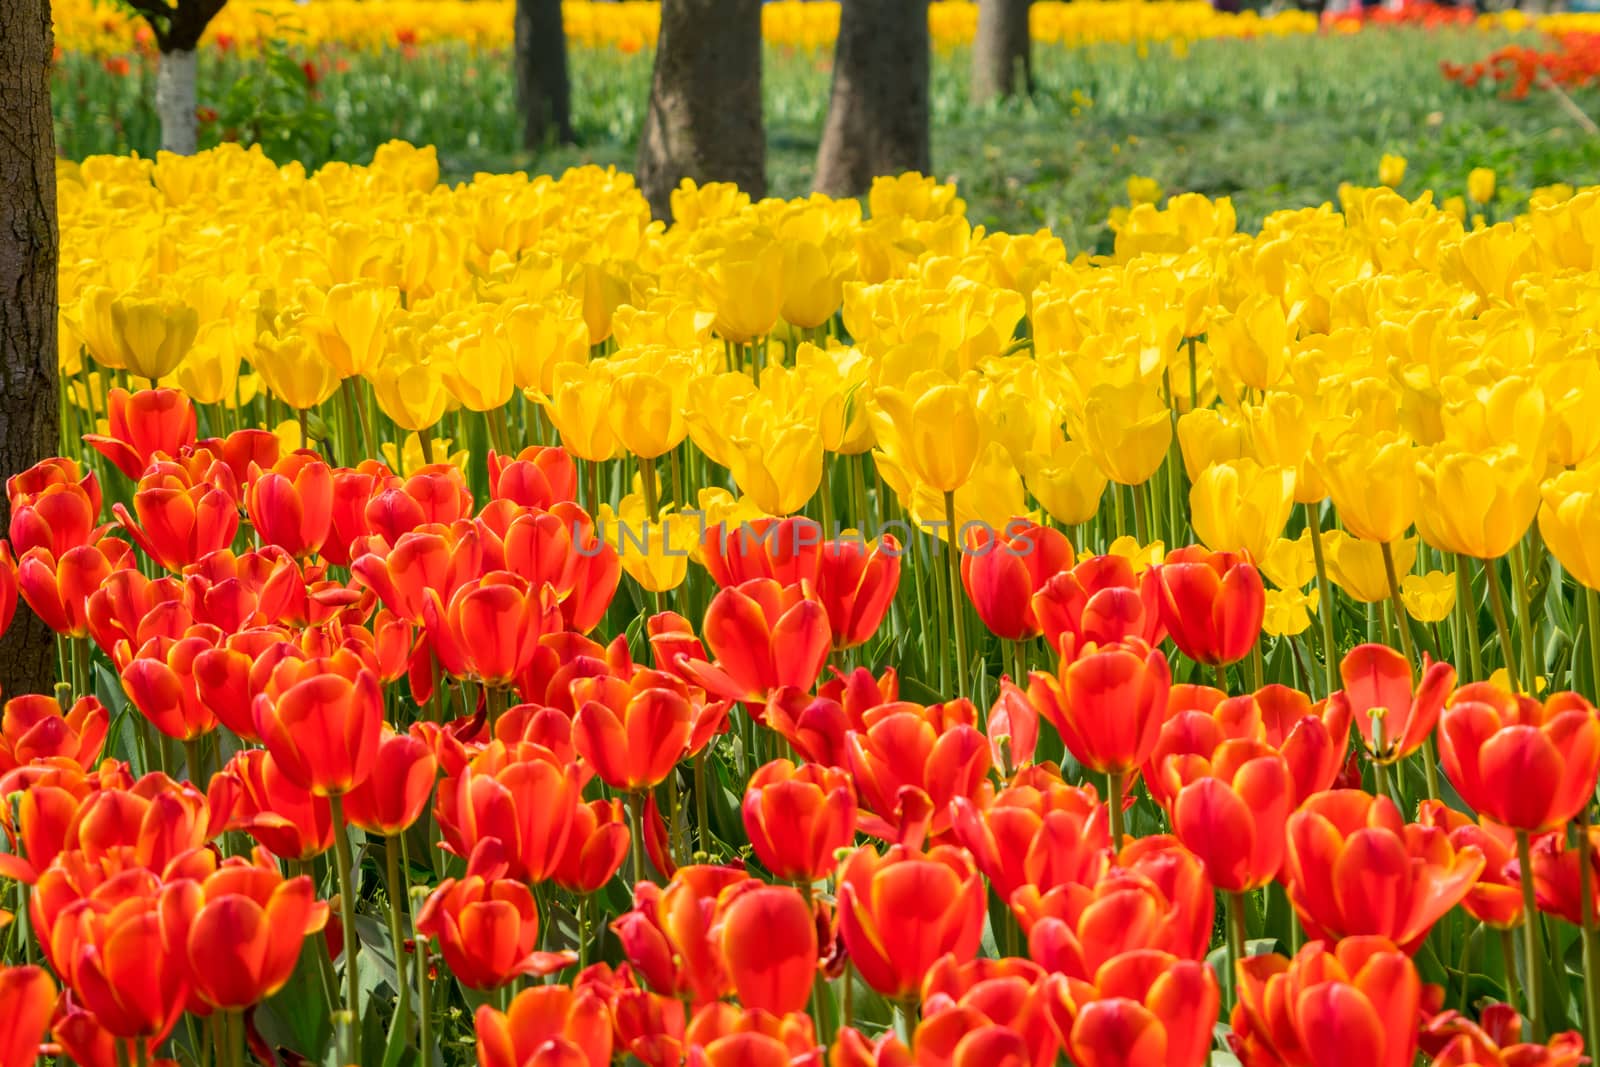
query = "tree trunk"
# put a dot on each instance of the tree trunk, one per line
(175, 101)
(544, 95)
(704, 118)
(29, 251)
(878, 113)
(1002, 56)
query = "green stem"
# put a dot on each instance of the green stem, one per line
(1235, 905)
(1468, 625)
(1397, 604)
(397, 889)
(1258, 671)
(1591, 603)
(958, 612)
(192, 759)
(637, 800)
(1591, 936)
(1497, 605)
(347, 914)
(424, 1007)
(1141, 521)
(1194, 373)
(1530, 937)
(1508, 949)
(702, 819)
(1330, 651)
(1114, 808)
(1519, 581)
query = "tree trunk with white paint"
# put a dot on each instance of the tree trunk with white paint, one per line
(175, 101)
(1002, 55)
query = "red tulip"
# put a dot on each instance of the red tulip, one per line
(160, 682)
(181, 520)
(245, 928)
(1353, 868)
(287, 819)
(59, 516)
(1013, 728)
(1312, 738)
(517, 794)
(127, 970)
(903, 752)
(1378, 688)
(856, 586)
(324, 731)
(596, 572)
(1526, 765)
(145, 424)
(241, 448)
(854, 1050)
(966, 1009)
(420, 562)
(787, 551)
(1100, 600)
(397, 791)
(8, 588)
(291, 505)
(596, 847)
(1558, 876)
(1039, 832)
(33, 729)
(1075, 928)
(632, 734)
(668, 935)
(491, 628)
(798, 817)
(435, 495)
(769, 947)
(30, 998)
(58, 591)
(1108, 703)
(487, 926)
(1001, 574)
(1143, 1007)
(1212, 604)
(37, 479)
(1354, 1003)
(537, 477)
(1496, 899)
(1229, 808)
(901, 910)
(1455, 1041)
(547, 1026)
(763, 636)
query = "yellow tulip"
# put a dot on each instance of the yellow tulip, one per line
(1143, 557)
(479, 369)
(646, 413)
(409, 386)
(781, 469)
(1066, 481)
(410, 458)
(210, 373)
(744, 283)
(654, 554)
(931, 429)
(1290, 564)
(1568, 519)
(1430, 597)
(1357, 567)
(1288, 612)
(356, 315)
(813, 283)
(543, 336)
(153, 334)
(1480, 185)
(1391, 170)
(1476, 504)
(1252, 344)
(1207, 436)
(294, 371)
(1143, 190)
(1373, 482)
(579, 406)
(1241, 506)
(1127, 429)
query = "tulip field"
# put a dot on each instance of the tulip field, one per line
(495, 627)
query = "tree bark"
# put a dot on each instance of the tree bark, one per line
(544, 93)
(878, 113)
(29, 252)
(175, 102)
(704, 117)
(1002, 55)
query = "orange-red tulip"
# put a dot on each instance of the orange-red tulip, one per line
(1496, 899)
(491, 628)
(1558, 876)
(435, 495)
(61, 515)
(1212, 603)
(1451, 1040)
(853, 1050)
(899, 911)
(58, 591)
(517, 794)
(179, 519)
(632, 734)
(1143, 1007)
(787, 551)
(291, 505)
(798, 817)
(487, 926)
(904, 753)
(547, 1026)
(967, 1007)
(143, 425)
(1075, 928)
(30, 999)
(287, 819)
(32, 728)
(245, 927)
(536, 477)
(596, 847)
(398, 789)
(1229, 808)
(668, 936)
(323, 732)
(419, 563)
(1354, 1002)
(769, 947)
(1002, 572)
(1378, 689)
(129, 968)
(8, 588)
(1312, 738)
(856, 586)
(596, 572)
(160, 682)
(1100, 600)
(1525, 764)
(1039, 832)
(763, 636)
(1107, 703)
(1354, 867)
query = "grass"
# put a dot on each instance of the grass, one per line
(1273, 123)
